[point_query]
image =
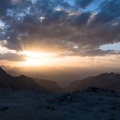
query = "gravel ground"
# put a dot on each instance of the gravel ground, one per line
(34, 105)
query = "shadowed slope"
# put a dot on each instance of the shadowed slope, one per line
(28, 83)
(50, 85)
(7, 81)
(21, 82)
(110, 81)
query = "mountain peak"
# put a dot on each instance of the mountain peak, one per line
(1, 70)
(23, 76)
(107, 74)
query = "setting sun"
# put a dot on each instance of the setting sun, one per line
(38, 55)
(37, 58)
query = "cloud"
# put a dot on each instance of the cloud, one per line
(4, 4)
(12, 57)
(82, 19)
(60, 30)
(109, 12)
(83, 3)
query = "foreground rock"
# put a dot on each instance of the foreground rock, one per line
(90, 104)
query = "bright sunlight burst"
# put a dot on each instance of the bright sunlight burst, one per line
(37, 58)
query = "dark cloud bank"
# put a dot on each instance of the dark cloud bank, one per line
(57, 25)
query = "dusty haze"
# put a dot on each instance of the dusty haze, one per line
(62, 75)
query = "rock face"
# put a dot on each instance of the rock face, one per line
(109, 81)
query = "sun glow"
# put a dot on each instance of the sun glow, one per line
(37, 58)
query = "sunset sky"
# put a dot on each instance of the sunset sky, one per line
(60, 33)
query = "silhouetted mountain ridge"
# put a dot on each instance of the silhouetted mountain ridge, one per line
(28, 83)
(109, 81)
(7, 81)
(23, 82)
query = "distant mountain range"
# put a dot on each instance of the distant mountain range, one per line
(62, 75)
(110, 81)
(23, 82)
